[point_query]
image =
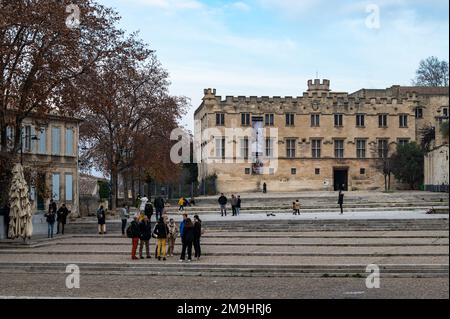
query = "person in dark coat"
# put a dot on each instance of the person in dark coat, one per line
(5, 213)
(145, 233)
(133, 232)
(238, 205)
(161, 232)
(223, 204)
(61, 218)
(159, 207)
(51, 217)
(341, 200)
(264, 188)
(101, 217)
(148, 210)
(188, 239)
(197, 235)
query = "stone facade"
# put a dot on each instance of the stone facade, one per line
(317, 141)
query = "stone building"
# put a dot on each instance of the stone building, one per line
(322, 140)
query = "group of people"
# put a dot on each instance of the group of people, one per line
(56, 215)
(235, 204)
(166, 233)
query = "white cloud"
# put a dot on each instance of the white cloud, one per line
(239, 5)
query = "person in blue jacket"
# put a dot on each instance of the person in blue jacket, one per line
(185, 216)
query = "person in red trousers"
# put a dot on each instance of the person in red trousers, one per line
(133, 233)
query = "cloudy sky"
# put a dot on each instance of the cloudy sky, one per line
(272, 47)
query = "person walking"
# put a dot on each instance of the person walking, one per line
(233, 204)
(159, 206)
(134, 233)
(161, 231)
(51, 217)
(297, 207)
(181, 203)
(341, 200)
(124, 214)
(238, 205)
(188, 239)
(101, 217)
(145, 233)
(173, 233)
(61, 218)
(197, 235)
(223, 204)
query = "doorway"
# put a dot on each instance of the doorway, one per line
(340, 177)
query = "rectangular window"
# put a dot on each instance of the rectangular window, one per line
(445, 111)
(317, 171)
(56, 141)
(42, 148)
(360, 120)
(245, 119)
(269, 119)
(360, 148)
(244, 148)
(26, 138)
(339, 148)
(403, 120)
(403, 141)
(69, 187)
(382, 148)
(10, 136)
(338, 120)
(315, 147)
(269, 147)
(382, 120)
(290, 119)
(55, 186)
(315, 120)
(419, 112)
(220, 147)
(293, 171)
(290, 148)
(69, 141)
(220, 119)
(247, 171)
(362, 171)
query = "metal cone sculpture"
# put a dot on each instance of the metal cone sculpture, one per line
(20, 215)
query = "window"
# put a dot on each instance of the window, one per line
(42, 149)
(290, 119)
(247, 171)
(403, 141)
(244, 148)
(26, 138)
(55, 186)
(220, 119)
(317, 171)
(315, 147)
(382, 148)
(403, 120)
(269, 147)
(362, 171)
(445, 111)
(10, 136)
(220, 147)
(245, 119)
(69, 141)
(360, 148)
(269, 119)
(56, 141)
(293, 171)
(360, 120)
(339, 148)
(315, 120)
(69, 187)
(338, 119)
(290, 148)
(382, 120)
(419, 112)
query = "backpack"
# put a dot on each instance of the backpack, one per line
(129, 232)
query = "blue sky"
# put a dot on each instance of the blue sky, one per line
(272, 47)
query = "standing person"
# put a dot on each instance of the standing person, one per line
(238, 205)
(233, 204)
(293, 208)
(51, 217)
(134, 234)
(148, 210)
(341, 200)
(181, 204)
(173, 233)
(223, 204)
(161, 231)
(5, 212)
(124, 214)
(159, 206)
(197, 235)
(297, 207)
(61, 218)
(188, 239)
(264, 188)
(145, 233)
(101, 217)
(183, 222)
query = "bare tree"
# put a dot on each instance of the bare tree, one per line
(432, 72)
